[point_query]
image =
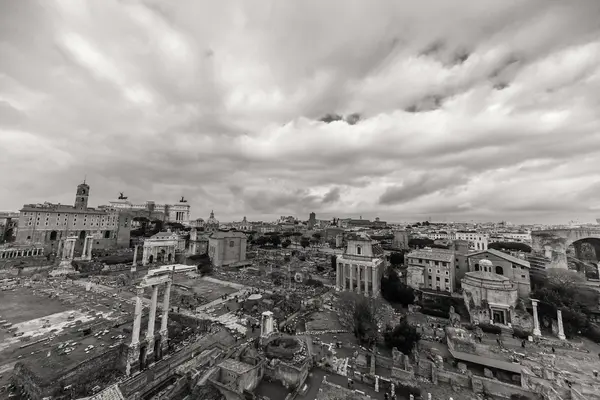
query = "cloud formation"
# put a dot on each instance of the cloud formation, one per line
(471, 110)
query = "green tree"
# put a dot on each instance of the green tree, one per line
(396, 258)
(275, 240)
(403, 336)
(304, 242)
(394, 291)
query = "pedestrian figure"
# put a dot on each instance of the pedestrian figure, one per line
(553, 350)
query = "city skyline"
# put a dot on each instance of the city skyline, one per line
(483, 112)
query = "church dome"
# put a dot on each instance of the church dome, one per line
(212, 220)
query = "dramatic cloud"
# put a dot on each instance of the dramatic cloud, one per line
(482, 110)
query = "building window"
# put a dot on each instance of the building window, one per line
(437, 278)
(522, 276)
(358, 250)
(476, 267)
(447, 273)
(231, 243)
(429, 277)
(499, 270)
(447, 280)
(429, 269)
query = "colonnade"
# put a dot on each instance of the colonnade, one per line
(134, 354)
(17, 253)
(359, 278)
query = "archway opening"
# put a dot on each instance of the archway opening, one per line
(106, 234)
(151, 259)
(169, 257)
(53, 235)
(82, 235)
(583, 256)
(499, 270)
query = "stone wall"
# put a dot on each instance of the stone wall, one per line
(478, 384)
(78, 376)
(288, 375)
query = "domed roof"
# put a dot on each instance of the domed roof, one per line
(212, 220)
(485, 263)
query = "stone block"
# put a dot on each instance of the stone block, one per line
(462, 367)
(488, 373)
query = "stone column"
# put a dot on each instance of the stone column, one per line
(90, 247)
(135, 251)
(374, 283)
(84, 252)
(536, 321)
(151, 322)
(72, 255)
(377, 383)
(366, 283)
(165, 315)
(338, 276)
(164, 325)
(561, 329)
(358, 278)
(344, 276)
(137, 317)
(351, 266)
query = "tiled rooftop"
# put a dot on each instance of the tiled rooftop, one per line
(434, 255)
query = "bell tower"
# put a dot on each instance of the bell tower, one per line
(81, 198)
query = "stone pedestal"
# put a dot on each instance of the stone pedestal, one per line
(133, 359)
(536, 321)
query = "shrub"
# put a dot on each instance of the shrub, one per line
(593, 333)
(521, 334)
(488, 328)
(435, 313)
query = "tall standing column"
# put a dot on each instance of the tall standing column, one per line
(72, 255)
(561, 329)
(165, 306)
(351, 266)
(151, 322)
(164, 325)
(344, 268)
(357, 278)
(536, 321)
(338, 276)
(89, 249)
(374, 283)
(366, 282)
(135, 251)
(137, 317)
(85, 245)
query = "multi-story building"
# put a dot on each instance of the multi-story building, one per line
(227, 248)
(361, 266)
(516, 269)
(431, 269)
(178, 212)
(477, 241)
(47, 223)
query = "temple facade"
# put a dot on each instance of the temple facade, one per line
(361, 266)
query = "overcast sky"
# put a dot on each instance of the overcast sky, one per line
(470, 109)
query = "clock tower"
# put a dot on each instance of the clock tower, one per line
(81, 198)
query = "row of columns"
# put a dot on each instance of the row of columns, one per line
(345, 278)
(536, 321)
(16, 253)
(137, 321)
